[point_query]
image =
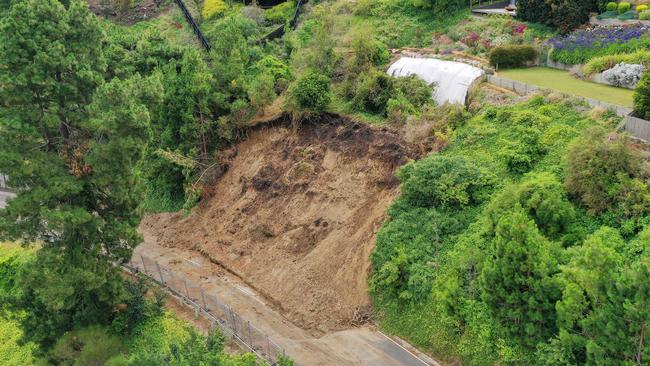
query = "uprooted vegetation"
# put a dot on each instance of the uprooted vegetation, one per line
(295, 215)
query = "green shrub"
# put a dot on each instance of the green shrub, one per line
(416, 90)
(373, 91)
(536, 11)
(398, 109)
(444, 181)
(628, 15)
(512, 56)
(87, 346)
(605, 173)
(642, 97)
(280, 13)
(644, 15)
(612, 6)
(368, 52)
(212, 8)
(608, 15)
(641, 8)
(311, 92)
(623, 7)
(602, 63)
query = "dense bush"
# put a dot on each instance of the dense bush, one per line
(212, 8)
(311, 92)
(605, 173)
(644, 15)
(444, 182)
(87, 346)
(512, 56)
(565, 15)
(641, 8)
(441, 7)
(373, 91)
(486, 282)
(623, 7)
(642, 97)
(536, 11)
(612, 6)
(280, 13)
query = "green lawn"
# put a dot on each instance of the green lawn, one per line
(561, 80)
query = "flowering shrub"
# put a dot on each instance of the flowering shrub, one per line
(585, 44)
(641, 8)
(518, 29)
(472, 39)
(623, 74)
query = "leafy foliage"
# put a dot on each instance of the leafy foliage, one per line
(512, 56)
(81, 138)
(311, 92)
(490, 280)
(642, 97)
(605, 173)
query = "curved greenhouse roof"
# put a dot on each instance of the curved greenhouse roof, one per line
(452, 79)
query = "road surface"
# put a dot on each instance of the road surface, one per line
(356, 346)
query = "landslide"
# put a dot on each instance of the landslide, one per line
(294, 213)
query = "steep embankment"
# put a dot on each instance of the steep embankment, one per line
(295, 215)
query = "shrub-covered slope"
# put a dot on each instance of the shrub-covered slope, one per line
(520, 243)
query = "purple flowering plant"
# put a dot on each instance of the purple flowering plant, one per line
(584, 44)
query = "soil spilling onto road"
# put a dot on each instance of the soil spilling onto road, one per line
(294, 213)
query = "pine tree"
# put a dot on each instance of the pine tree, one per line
(69, 143)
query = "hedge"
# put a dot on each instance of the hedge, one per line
(512, 56)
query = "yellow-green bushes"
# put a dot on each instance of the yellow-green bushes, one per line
(213, 8)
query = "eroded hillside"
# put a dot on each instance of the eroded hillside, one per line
(295, 215)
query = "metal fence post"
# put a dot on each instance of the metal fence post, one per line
(160, 273)
(268, 346)
(143, 264)
(205, 305)
(250, 339)
(186, 291)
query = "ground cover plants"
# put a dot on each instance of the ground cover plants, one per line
(488, 254)
(586, 44)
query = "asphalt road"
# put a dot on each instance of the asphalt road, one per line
(355, 346)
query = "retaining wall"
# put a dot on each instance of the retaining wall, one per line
(637, 128)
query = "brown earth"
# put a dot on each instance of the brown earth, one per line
(295, 215)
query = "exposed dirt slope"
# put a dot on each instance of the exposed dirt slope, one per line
(295, 215)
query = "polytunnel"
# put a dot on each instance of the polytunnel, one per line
(452, 80)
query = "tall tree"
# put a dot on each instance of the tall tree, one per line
(69, 143)
(517, 280)
(604, 313)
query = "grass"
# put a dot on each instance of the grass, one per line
(561, 81)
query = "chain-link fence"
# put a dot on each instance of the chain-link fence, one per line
(232, 325)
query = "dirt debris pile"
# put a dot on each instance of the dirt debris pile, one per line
(295, 215)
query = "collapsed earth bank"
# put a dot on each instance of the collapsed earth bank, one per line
(294, 213)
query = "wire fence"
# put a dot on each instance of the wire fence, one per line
(220, 314)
